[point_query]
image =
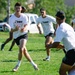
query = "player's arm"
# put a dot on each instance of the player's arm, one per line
(24, 28)
(15, 29)
(38, 26)
(55, 45)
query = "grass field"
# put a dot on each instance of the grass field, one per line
(36, 49)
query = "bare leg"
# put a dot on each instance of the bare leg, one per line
(64, 68)
(23, 50)
(7, 40)
(49, 40)
(13, 43)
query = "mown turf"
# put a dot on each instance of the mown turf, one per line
(36, 49)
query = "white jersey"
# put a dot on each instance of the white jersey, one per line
(47, 24)
(65, 33)
(21, 21)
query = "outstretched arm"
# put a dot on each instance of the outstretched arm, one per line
(55, 45)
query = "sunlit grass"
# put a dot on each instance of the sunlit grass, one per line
(36, 49)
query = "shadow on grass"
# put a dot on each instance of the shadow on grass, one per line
(36, 50)
(5, 71)
(9, 61)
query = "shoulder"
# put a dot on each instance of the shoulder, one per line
(12, 16)
(49, 16)
(23, 15)
(65, 26)
(39, 18)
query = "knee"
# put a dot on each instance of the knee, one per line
(21, 50)
(46, 46)
(10, 38)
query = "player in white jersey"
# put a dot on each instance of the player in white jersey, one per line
(48, 29)
(19, 24)
(11, 35)
(65, 33)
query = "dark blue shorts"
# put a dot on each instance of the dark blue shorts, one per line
(17, 40)
(50, 34)
(69, 58)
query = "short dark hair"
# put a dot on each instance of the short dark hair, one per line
(18, 4)
(60, 14)
(42, 9)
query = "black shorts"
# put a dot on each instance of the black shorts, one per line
(69, 58)
(17, 40)
(50, 34)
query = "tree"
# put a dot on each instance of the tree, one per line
(2, 5)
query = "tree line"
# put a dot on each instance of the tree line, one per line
(52, 6)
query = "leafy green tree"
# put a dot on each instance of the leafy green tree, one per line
(2, 5)
(52, 6)
(2, 8)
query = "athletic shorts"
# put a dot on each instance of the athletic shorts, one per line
(69, 58)
(50, 34)
(17, 40)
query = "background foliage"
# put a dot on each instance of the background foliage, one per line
(51, 6)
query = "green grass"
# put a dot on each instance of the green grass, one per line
(36, 49)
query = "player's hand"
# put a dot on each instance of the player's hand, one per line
(22, 30)
(17, 27)
(60, 46)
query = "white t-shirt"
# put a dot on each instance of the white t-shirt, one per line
(21, 21)
(65, 33)
(47, 24)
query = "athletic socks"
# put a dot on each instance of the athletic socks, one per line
(48, 57)
(32, 63)
(19, 62)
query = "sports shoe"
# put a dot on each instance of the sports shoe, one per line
(46, 59)
(2, 47)
(36, 67)
(15, 68)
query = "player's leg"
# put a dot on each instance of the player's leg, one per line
(67, 63)
(17, 41)
(13, 43)
(64, 69)
(7, 40)
(26, 54)
(49, 40)
(21, 41)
